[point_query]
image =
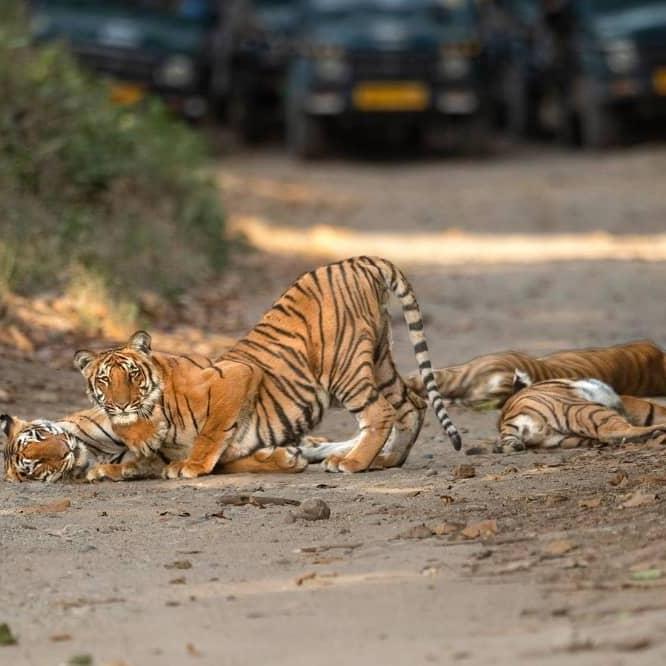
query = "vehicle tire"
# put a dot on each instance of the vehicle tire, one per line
(597, 124)
(305, 136)
(515, 102)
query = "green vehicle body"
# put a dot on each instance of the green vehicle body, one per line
(346, 49)
(610, 67)
(166, 48)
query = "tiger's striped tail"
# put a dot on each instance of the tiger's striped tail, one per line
(403, 291)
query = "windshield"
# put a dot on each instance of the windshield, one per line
(439, 11)
(612, 6)
(187, 9)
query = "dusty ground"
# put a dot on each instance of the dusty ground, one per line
(145, 573)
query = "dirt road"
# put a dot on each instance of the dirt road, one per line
(533, 560)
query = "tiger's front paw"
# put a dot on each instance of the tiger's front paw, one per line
(100, 472)
(183, 470)
(508, 445)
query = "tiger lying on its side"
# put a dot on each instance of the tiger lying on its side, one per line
(79, 446)
(635, 368)
(574, 412)
(326, 340)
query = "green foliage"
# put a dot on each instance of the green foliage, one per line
(120, 192)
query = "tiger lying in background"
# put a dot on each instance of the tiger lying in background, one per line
(575, 412)
(326, 340)
(635, 368)
(80, 445)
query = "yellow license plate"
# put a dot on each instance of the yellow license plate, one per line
(126, 94)
(398, 96)
(659, 80)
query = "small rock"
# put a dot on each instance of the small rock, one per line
(314, 509)
(289, 517)
(431, 472)
(464, 472)
(178, 581)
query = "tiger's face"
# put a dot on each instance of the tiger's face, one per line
(125, 381)
(40, 451)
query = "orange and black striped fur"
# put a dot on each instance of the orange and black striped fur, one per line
(574, 412)
(325, 341)
(83, 446)
(635, 368)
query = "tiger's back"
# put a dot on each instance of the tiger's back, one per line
(636, 368)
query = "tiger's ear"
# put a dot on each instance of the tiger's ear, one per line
(140, 342)
(7, 424)
(521, 380)
(82, 359)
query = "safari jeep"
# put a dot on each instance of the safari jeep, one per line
(608, 70)
(410, 63)
(162, 46)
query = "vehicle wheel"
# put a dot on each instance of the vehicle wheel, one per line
(305, 135)
(597, 124)
(478, 136)
(515, 102)
(243, 119)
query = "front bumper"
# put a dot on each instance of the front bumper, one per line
(394, 98)
(134, 74)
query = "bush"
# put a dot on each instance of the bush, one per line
(86, 185)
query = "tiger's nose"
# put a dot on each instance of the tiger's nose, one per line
(124, 406)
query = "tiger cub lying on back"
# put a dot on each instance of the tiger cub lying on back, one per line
(635, 368)
(326, 340)
(82, 446)
(575, 412)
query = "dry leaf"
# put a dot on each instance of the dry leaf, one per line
(60, 638)
(417, 532)
(483, 529)
(447, 499)
(558, 548)
(192, 650)
(306, 576)
(179, 564)
(619, 479)
(464, 472)
(441, 529)
(590, 503)
(639, 498)
(51, 507)
(518, 565)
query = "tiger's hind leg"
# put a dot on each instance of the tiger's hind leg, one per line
(286, 459)
(357, 392)
(141, 468)
(409, 409)
(615, 429)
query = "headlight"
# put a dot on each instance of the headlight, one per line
(453, 66)
(176, 72)
(331, 68)
(621, 56)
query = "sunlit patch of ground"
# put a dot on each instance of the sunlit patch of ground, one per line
(450, 246)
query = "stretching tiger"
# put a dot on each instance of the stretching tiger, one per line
(326, 340)
(636, 368)
(82, 445)
(573, 412)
